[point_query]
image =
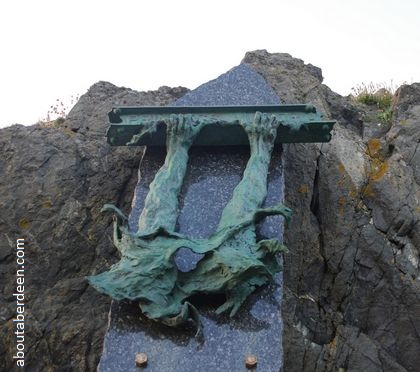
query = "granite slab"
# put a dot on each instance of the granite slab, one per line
(211, 176)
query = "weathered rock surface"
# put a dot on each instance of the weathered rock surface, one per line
(352, 299)
(54, 182)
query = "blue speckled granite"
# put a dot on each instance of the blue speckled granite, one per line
(239, 86)
(211, 177)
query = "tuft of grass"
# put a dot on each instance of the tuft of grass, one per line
(58, 112)
(378, 95)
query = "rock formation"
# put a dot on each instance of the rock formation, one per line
(351, 295)
(352, 298)
(54, 181)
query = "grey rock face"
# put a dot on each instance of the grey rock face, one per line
(352, 275)
(405, 132)
(53, 183)
(285, 74)
(84, 119)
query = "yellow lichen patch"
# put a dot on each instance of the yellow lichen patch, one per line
(367, 191)
(379, 169)
(341, 168)
(353, 193)
(333, 344)
(47, 204)
(303, 190)
(374, 146)
(342, 200)
(69, 132)
(378, 165)
(24, 223)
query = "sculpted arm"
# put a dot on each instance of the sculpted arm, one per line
(161, 203)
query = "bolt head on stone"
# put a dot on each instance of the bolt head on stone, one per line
(250, 361)
(141, 359)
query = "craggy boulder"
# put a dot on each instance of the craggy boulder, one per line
(54, 180)
(352, 275)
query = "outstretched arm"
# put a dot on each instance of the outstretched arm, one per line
(161, 203)
(251, 191)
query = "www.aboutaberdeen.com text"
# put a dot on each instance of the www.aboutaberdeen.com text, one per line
(20, 303)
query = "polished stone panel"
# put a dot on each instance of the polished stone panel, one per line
(256, 329)
(212, 175)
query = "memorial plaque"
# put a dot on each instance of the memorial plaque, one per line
(210, 181)
(225, 342)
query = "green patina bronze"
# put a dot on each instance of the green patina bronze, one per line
(146, 125)
(234, 262)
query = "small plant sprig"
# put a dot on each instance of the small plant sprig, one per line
(59, 110)
(379, 95)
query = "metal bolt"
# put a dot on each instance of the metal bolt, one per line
(141, 359)
(250, 361)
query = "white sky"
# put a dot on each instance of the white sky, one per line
(55, 49)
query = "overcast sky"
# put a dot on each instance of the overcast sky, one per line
(55, 49)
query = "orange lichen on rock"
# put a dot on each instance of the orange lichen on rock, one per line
(341, 168)
(379, 169)
(379, 166)
(332, 346)
(353, 193)
(47, 204)
(374, 147)
(303, 190)
(24, 223)
(368, 191)
(342, 200)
